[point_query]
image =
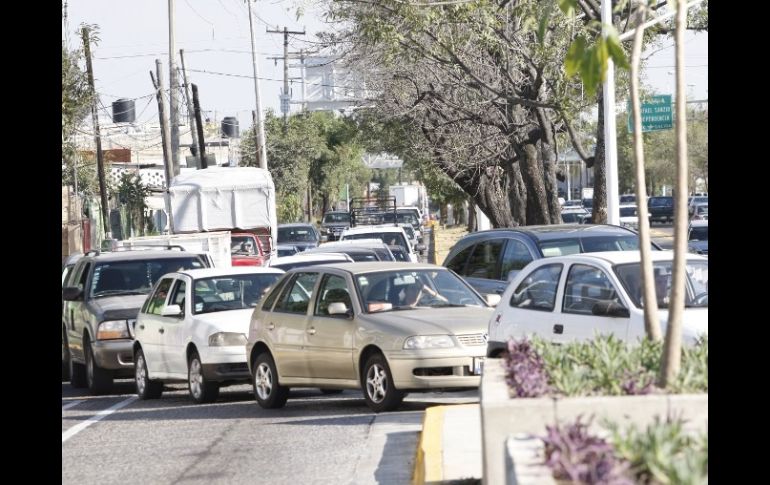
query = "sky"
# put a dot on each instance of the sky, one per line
(215, 37)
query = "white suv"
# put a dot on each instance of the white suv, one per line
(193, 327)
(391, 235)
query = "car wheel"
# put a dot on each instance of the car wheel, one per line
(268, 392)
(65, 356)
(329, 392)
(379, 390)
(99, 380)
(145, 388)
(201, 390)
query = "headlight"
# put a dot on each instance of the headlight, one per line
(428, 342)
(112, 329)
(223, 339)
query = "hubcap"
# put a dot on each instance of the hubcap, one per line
(263, 381)
(376, 383)
(141, 374)
(196, 378)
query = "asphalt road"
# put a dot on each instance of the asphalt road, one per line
(314, 439)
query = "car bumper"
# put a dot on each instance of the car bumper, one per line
(225, 363)
(114, 354)
(438, 371)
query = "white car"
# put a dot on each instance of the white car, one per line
(193, 327)
(308, 259)
(629, 216)
(576, 297)
(390, 235)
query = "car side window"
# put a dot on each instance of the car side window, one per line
(158, 299)
(178, 295)
(297, 296)
(516, 256)
(484, 260)
(333, 289)
(538, 290)
(268, 305)
(82, 277)
(586, 286)
(457, 264)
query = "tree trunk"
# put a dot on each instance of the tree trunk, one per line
(599, 213)
(548, 155)
(672, 347)
(532, 173)
(471, 215)
(517, 193)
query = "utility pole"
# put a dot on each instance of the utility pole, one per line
(199, 125)
(97, 136)
(259, 127)
(173, 83)
(610, 136)
(285, 96)
(164, 133)
(190, 112)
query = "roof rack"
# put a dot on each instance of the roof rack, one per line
(135, 247)
(363, 210)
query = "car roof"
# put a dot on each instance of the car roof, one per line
(296, 224)
(618, 257)
(556, 231)
(233, 270)
(141, 254)
(699, 223)
(302, 257)
(374, 266)
(362, 230)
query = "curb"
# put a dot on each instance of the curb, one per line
(428, 464)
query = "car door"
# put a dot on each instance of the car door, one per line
(531, 307)
(584, 287)
(329, 338)
(150, 327)
(75, 314)
(288, 324)
(483, 268)
(177, 331)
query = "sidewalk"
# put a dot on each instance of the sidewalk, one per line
(449, 448)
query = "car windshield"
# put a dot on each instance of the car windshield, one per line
(408, 289)
(136, 277)
(697, 284)
(699, 233)
(661, 201)
(390, 238)
(572, 217)
(231, 292)
(296, 234)
(336, 218)
(627, 211)
(566, 246)
(407, 218)
(286, 251)
(242, 245)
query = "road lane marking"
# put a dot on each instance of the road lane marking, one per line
(97, 417)
(71, 404)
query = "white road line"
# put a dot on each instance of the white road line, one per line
(71, 404)
(97, 417)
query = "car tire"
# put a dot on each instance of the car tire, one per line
(380, 392)
(65, 356)
(145, 387)
(329, 392)
(201, 390)
(267, 391)
(99, 380)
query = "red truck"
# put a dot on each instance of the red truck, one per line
(247, 250)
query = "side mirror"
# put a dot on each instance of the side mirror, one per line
(609, 308)
(172, 311)
(72, 293)
(339, 308)
(492, 299)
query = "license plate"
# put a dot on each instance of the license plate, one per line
(478, 365)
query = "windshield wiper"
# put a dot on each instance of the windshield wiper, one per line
(119, 292)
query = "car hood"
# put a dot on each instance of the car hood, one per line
(301, 246)
(227, 321)
(117, 307)
(434, 321)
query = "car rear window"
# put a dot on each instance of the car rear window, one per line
(562, 247)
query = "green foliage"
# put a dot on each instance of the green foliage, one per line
(590, 60)
(132, 194)
(663, 452)
(607, 366)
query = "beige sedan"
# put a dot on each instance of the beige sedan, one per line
(384, 327)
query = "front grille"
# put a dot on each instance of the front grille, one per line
(433, 371)
(472, 339)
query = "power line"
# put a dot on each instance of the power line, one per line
(265, 78)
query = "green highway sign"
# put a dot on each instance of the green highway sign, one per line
(656, 114)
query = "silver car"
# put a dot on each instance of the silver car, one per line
(383, 327)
